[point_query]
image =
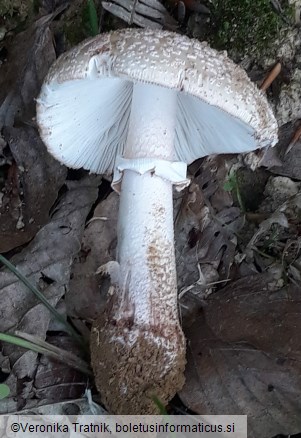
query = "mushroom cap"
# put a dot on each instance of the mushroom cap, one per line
(84, 106)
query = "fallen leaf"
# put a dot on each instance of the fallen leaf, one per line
(30, 54)
(219, 239)
(276, 218)
(150, 13)
(291, 160)
(55, 381)
(244, 357)
(48, 256)
(206, 225)
(86, 294)
(80, 406)
(30, 188)
(30, 178)
(190, 214)
(49, 6)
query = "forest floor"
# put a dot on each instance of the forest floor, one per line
(237, 226)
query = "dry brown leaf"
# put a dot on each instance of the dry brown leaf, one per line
(32, 182)
(275, 243)
(244, 357)
(48, 6)
(55, 381)
(30, 178)
(211, 177)
(30, 55)
(190, 214)
(46, 262)
(144, 13)
(80, 406)
(85, 297)
(218, 241)
(206, 225)
(291, 160)
(276, 218)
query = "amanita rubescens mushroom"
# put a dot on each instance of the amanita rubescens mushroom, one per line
(143, 104)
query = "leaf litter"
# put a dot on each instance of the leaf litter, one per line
(244, 356)
(238, 269)
(26, 165)
(149, 13)
(49, 256)
(97, 248)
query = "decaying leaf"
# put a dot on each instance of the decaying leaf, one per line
(276, 218)
(49, 6)
(55, 381)
(46, 262)
(52, 351)
(85, 297)
(218, 242)
(31, 181)
(279, 193)
(29, 177)
(275, 243)
(290, 156)
(80, 406)
(191, 213)
(30, 55)
(150, 13)
(244, 357)
(206, 225)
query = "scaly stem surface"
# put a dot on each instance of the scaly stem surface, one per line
(140, 346)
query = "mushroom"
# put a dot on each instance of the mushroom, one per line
(142, 104)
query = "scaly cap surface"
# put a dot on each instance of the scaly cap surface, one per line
(84, 105)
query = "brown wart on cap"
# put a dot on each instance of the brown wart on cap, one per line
(143, 104)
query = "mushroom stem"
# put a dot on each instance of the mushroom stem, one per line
(152, 123)
(146, 249)
(145, 233)
(141, 340)
(140, 346)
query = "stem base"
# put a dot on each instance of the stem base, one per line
(133, 364)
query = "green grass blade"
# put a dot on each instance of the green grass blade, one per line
(93, 19)
(160, 405)
(28, 345)
(43, 300)
(4, 391)
(162, 410)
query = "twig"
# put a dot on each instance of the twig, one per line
(96, 218)
(271, 76)
(294, 140)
